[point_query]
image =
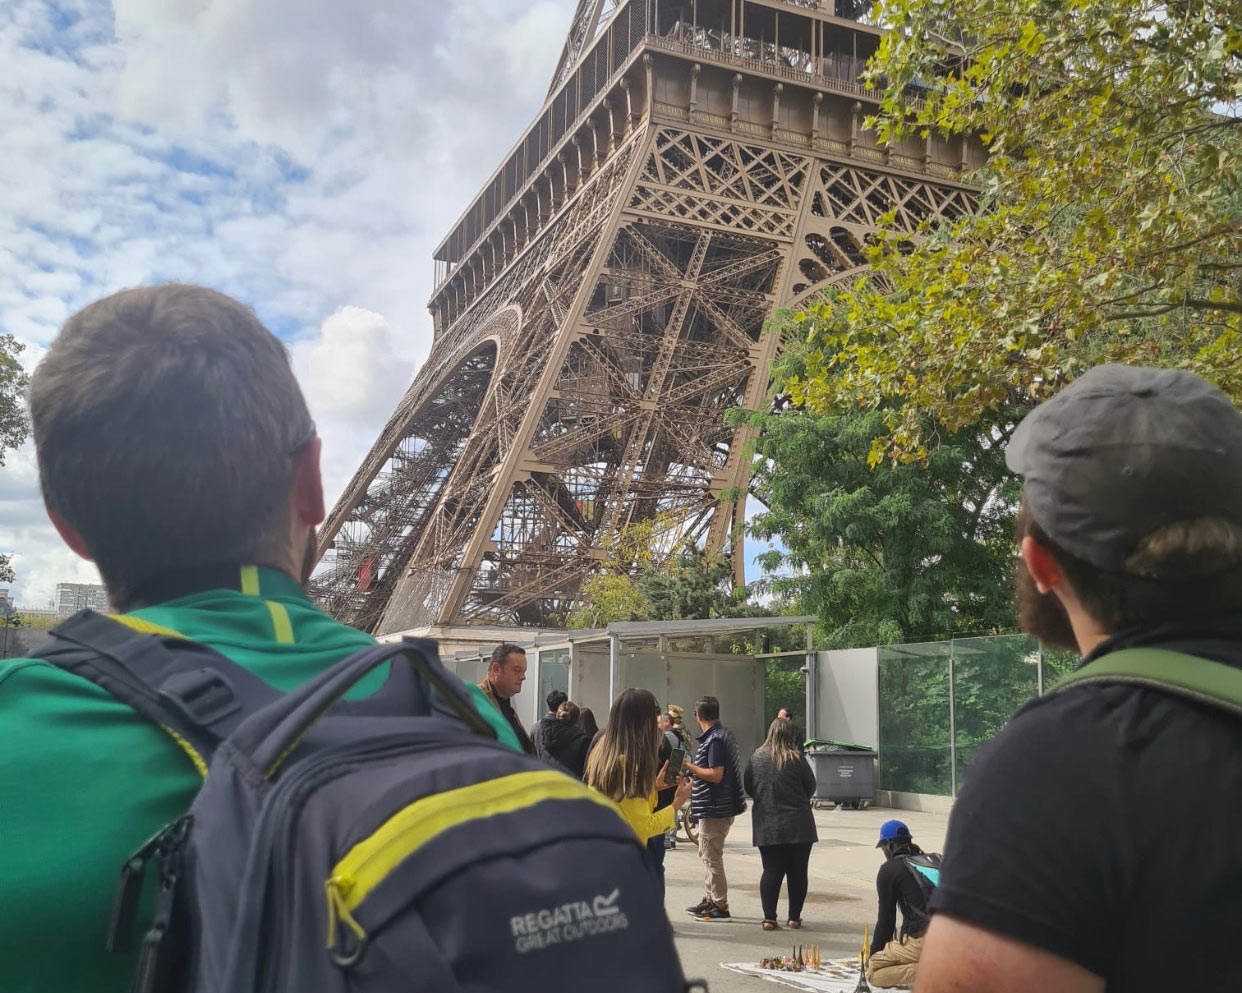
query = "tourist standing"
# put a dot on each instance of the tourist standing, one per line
(565, 745)
(625, 767)
(716, 801)
(505, 675)
(554, 701)
(780, 782)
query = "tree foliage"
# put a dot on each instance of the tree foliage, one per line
(647, 576)
(888, 554)
(1110, 220)
(14, 424)
(688, 585)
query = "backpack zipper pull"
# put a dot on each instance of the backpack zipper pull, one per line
(122, 923)
(336, 890)
(155, 962)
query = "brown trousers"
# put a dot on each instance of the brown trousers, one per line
(894, 964)
(712, 832)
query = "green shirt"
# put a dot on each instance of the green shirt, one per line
(84, 780)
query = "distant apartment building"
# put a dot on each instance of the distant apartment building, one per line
(6, 602)
(72, 597)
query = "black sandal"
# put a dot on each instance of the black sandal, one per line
(770, 925)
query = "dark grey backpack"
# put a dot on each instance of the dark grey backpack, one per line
(377, 845)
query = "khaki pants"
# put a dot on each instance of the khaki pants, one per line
(712, 833)
(894, 964)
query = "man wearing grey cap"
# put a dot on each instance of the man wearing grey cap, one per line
(1095, 844)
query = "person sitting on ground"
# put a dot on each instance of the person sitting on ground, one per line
(553, 700)
(781, 783)
(505, 675)
(565, 745)
(624, 767)
(147, 402)
(894, 957)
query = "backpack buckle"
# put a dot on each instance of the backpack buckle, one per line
(202, 695)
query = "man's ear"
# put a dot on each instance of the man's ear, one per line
(1043, 568)
(70, 536)
(308, 506)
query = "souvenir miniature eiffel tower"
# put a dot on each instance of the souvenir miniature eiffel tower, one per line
(863, 986)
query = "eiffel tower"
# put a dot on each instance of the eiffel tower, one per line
(601, 304)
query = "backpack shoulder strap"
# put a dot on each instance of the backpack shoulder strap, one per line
(1198, 679)
(192, 692)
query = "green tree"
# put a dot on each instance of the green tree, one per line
(692, 586)
(688, 585)
(1110, 220)
(888, 554)
(14, 425)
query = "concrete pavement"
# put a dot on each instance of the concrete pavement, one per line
(840, 901)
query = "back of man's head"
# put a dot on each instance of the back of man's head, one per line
(555, 699)
(1133, 485)
(707, 709)
(167, 423)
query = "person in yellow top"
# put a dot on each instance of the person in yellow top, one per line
(624, 766)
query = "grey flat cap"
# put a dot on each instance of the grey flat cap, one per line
(1123, 451)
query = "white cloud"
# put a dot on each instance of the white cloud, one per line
(304, 155)
(353, 372)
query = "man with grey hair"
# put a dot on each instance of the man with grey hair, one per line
(175, 451)
(1094, 845)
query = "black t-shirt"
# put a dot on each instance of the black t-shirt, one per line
(1102, 824)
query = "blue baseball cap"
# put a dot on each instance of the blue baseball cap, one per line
(893, 831)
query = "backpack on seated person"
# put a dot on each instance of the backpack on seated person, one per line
(382, 844)
(925, 868)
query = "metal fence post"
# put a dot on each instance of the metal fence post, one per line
(952, 728)
(614, 667)
(812, 686)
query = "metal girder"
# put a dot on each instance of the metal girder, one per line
(580, 382)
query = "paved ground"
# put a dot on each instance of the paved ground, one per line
(841, 898)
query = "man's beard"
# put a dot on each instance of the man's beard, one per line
(310, 556)
(1041, 615)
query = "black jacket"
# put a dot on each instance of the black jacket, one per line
(565, 746)
(724, 799)
(896, 887)
(781, 814)
(537, 732)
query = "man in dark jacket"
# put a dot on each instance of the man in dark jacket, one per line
(554, 701)
(716, 801)
(894, 957)
(505, 675)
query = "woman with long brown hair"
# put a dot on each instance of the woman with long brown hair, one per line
(625, 766)
(780, 780)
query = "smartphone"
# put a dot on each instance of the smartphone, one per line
(674, 766)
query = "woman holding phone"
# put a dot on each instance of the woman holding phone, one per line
(625, 767)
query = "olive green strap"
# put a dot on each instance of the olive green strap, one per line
(1203, 680)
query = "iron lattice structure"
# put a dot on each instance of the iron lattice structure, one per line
(602, 304)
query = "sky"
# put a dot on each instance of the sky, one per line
(304, 156)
